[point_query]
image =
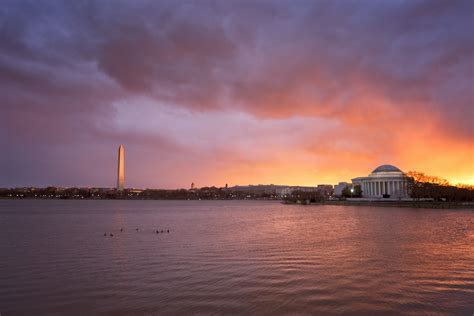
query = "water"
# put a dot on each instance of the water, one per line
(232, 257)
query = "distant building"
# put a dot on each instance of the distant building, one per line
(259, 189)
(287, 190)
(120, 172)
(339, 187)
(192, 186)
(325, 189)
(272, 189)
(304, 189)
(386, 181)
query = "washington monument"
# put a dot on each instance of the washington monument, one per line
(120, 171)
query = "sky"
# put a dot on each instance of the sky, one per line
(237, 92)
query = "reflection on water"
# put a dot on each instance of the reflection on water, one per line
(233, 257)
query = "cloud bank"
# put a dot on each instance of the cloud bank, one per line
(234, 92)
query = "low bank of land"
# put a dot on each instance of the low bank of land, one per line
(411, 204)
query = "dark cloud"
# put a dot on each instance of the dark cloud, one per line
(263, 55)
(64, 63)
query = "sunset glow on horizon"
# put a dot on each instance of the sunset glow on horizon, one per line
(234, 92)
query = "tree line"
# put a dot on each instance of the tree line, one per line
(432, 187)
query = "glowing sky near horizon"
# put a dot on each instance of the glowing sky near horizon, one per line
(237, 92)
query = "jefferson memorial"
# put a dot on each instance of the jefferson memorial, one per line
(386, 181)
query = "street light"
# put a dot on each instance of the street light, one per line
(352, 191)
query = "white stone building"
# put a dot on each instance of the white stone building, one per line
(386, 181)
(339, 187)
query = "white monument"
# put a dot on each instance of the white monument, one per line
(120, 172)
(386, 181)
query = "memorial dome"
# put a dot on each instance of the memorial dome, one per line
(386, 168)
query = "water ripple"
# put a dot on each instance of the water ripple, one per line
(233, 257)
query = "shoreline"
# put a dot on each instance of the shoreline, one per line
(407, 204)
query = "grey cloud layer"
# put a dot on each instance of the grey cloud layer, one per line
(270, 58)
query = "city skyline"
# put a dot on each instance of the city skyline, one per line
(234, 92)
